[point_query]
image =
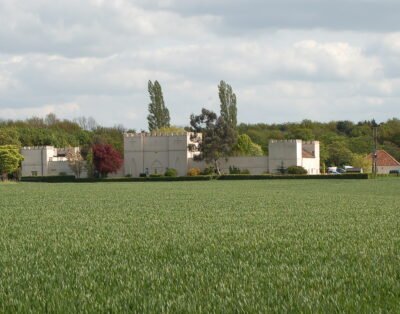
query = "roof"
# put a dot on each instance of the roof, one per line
(384, 159)
(307, 154)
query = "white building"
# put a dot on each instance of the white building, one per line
(385, 162)
(294, 153)
(46, 161)
(155, 153)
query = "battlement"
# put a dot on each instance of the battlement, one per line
(37, 147)
(284, 141)
(155, 134)
(61, 149)
(294, 141)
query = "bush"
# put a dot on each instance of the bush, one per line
(208, 171)
(143, 175)
(296, 170)
(193, 172)
(171, 172)
(236, 170)
(156, 175)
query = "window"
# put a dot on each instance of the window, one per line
(34, 173)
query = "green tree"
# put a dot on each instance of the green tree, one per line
(339, 154)
(171, 130)
(9, 136)
(217, 137)
(363, 162)
(228, 104)
(246, 147)
(158, 113)
(10, 160)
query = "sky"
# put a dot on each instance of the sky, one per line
(286, 60)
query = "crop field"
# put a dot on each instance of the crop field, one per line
(223, 247)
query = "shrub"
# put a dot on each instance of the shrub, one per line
(236, 170)
(171, 172)
(208, 171)
(296, 170)
(193, 172)
(143, 175)
(155, 175)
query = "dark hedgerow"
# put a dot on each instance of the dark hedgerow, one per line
(296, 170)
(66, 179)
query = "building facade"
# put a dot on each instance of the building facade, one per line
(46, 161)
(384, 162)
(155, 153)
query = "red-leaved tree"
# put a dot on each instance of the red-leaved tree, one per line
(106, 159)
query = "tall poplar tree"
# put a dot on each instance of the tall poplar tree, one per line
(158, 113)
(228, 104)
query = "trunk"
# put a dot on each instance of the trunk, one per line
(216, 163)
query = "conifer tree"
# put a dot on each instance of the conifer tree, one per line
(158, 113)
(228, 104)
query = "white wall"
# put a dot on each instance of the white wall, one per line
(36, 160)
(155, 153)
(44, 161)
(312, 165)
(386, 170)
(284, 153)
(256, 165)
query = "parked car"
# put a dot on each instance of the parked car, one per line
(354, 170)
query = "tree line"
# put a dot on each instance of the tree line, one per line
(342, 142)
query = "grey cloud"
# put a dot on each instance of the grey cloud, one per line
(242, 15)
(286, 60)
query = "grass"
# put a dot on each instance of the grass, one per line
(248, 246)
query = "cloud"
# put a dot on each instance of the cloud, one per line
(27, 112)
(286, 60)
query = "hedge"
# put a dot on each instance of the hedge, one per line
(52, 179)
(147, 179)
(285, 177)
(66, 179)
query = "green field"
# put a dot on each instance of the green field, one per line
(233, 246)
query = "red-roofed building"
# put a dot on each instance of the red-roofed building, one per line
(385, 162)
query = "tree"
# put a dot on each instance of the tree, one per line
(171, 130)
(75, 161)
(106, 159)
(10, 160)
(228, 104)
(217, 140)
(89, 164)
(9, 136)
(246, 147)
(363, 162)
(158, 113)
(50, 119)
(339, 154)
